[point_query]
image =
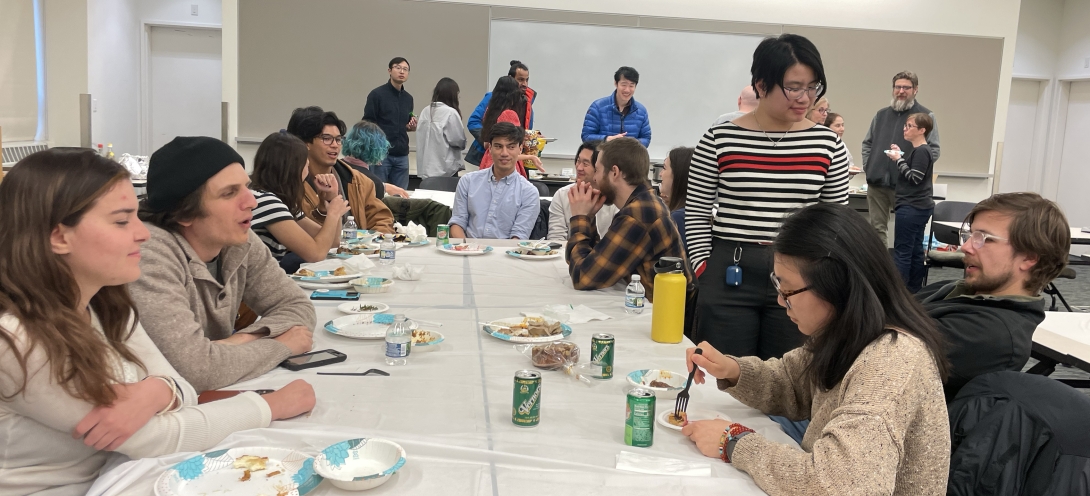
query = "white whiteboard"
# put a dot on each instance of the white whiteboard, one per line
(687, 79)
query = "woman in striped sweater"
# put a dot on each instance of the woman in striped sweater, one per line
(755, 171)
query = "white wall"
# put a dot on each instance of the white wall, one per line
(1038, 41)
(1074, 47)
(65, 24)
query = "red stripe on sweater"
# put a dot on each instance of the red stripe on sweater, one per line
(784, 168)
(810, 157)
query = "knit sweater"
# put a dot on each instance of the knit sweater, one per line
(185, 309)
(883, 429)
(37, 450)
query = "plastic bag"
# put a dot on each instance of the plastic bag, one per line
(557, 355)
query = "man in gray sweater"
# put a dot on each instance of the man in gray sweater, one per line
(886, 129)
(202, 261)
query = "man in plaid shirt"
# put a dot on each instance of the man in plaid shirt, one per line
(641, 233)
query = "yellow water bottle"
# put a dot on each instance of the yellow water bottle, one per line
(668, 309)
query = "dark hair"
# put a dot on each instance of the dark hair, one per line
(446, 91)
(829, 119)
(843, 262)
(507, 95)
(308, 123)
(515, 66)
(1038, 227)
(506, 130)
(278, 167)
(909, 75)
(923, 121)
(189, 208)
(630, 157)
(627, 73)
(680, 158)
(588, 145)
(397, 60)
(45, 190)
(774, 56)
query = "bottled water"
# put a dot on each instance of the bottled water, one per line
(348, 232)
(387, 251)
(633, 296)
(399, 341)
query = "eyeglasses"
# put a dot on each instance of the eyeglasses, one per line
(328, 139)
(903, 88)
(796, 93)
(978, 238)
(401, 68)
(822, 111)
(911, 126)
(783, 294)
(584, 163)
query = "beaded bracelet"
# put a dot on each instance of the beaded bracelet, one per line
(731, 434)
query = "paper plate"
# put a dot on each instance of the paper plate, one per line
(326, 276)
(449, 250)
(213, 473)
(359, 464)
(693, 415)
(352, 307)
(359, 327)
(643, 378)
(430, 345)
(523, 256)
(491, 329)
(322, 285)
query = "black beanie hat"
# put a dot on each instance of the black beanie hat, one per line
(183, 165)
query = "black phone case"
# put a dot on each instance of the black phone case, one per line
(340, 357)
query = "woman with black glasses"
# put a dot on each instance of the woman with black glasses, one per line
(756, 170)
(869, 378)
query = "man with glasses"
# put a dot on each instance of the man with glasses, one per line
(391, 107)
(330, 177)
(885, 129)
(619, 114)
(560, 209)
(1015, 244)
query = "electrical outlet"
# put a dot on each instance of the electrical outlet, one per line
(193, 9)
(94, 105)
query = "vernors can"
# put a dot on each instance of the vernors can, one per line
(639, 424)
(526, 406)
(601, 353)
(442, 234)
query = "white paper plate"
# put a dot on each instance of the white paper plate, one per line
(491, 329)
(359, 464)
(693, 415)
(326, 276)
(522, 256)
(352, 307)
(359, 327)
(213, 473)
(449, 250)
(322, 285)
(641, 378)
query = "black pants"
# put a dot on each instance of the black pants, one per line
(743, 320)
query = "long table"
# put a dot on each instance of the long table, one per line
(1063, 337)
(1078, 237)
(451, 408)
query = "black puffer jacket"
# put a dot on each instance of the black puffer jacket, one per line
(1019, 434)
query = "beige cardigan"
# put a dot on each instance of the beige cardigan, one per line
(882, 430)
(37, 451)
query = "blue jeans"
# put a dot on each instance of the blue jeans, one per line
(794, 429)
(908, 244)
(393, 170)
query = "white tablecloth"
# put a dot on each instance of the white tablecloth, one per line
(451, 408)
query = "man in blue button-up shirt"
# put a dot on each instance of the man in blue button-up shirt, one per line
(496, 203)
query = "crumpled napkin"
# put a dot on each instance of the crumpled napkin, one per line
(408, 272)
(569, 314)
(357, 263)
(647, 464)
(136, 165)
(414, 231)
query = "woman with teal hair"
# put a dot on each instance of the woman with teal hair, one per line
(366, 144)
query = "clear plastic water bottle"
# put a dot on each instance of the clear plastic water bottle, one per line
(399, 341)
(387, 250)
(348, 232)
(633, 296)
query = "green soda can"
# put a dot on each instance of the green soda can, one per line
(442, 234)
(639, 424)
(526, 406)
(601, 353)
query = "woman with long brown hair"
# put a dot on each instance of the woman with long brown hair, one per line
(78, 374)
(508, 105)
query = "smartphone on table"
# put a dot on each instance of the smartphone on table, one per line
(331, 294)
(313, 359)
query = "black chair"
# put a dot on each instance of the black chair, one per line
(542, 188)
(440, 183)
(946, 211)
(541, 227)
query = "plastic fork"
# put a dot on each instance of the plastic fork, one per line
(683, 396)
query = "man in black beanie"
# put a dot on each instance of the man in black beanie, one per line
(203, 261)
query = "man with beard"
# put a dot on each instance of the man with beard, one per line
(886, 129)
(641, 233)
(560, 210)
(1016, 243)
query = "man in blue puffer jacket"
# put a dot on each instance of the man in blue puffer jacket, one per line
(618, 114)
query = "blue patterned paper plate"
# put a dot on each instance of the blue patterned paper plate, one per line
(214, 473)
(493, 329)
(452, 250)
(360, 463)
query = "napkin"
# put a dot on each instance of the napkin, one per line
(357, 263)
(569, 314)
(408, 272)
(647, 464)
(414, 231)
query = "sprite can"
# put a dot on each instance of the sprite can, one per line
(442, 234)
(601, 353)
(526, 406)
(639, 424)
